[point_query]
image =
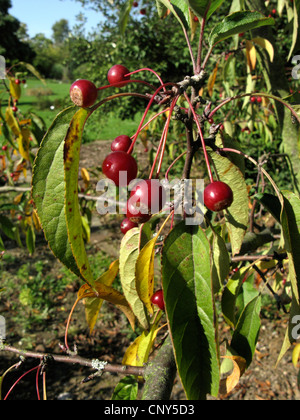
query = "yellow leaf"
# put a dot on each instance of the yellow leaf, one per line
(212, 80)
(145, 274)
(144, 271)
(229, 383)
(105, 292)
(15, 90)
(12, 122)
(36, 221)
(93, 305)
(264, 43)
(266, 265)
(193, 24)
(85, 175)
(138, 352)
(23, 143)
(251, 55)
(25, 122)
(296, 355)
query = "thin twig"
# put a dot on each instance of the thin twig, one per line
(77, 360)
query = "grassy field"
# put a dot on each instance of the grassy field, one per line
(48, 100)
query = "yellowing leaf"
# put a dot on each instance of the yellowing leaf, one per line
(296, 355)
(264, 43)
(194, 23)
(138, 352)
(12, 122)
(23, 143)
(239, 367)
(36, 221)
(93, 304)
(212, 80)
(15, 90)
(109, 294)
(144, 271)
(145, 274)
(85, 176)
(251, 55)
(129, 253)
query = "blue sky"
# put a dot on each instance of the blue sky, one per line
(40, 15)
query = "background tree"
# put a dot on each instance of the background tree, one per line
(11, 47)
(60, 31)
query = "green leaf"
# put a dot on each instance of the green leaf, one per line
(204, 8)
(126, 390)
(178, 11)
(296, 27)
(237, 215)
(124, 16)
(236, 23)
(271, 203)
(290, 220)
(30, 239)
(33, 70)
(129, 253)
(48, 189)
(72, 211)
(221, 262)
(245, 336)
(230, 295)
(7, 226)
(187, 285)
(161, 9)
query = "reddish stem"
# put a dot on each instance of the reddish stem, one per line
(147, 69)
(145, 114)
(16, 383)
(37, 383)
(201, 137)
(165, 136)
(173, 163)
(125, 83)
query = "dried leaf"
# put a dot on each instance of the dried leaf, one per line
(239, 367)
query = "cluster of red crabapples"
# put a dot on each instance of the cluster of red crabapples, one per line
(147, 194)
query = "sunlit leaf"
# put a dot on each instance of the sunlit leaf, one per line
(237, 23)
(266, 44)
(251, 55)
(237, 215)
(126, 390)
(48, 189)
(246, 332)
(138, 352)
(12, 122)
(71, 159)
(239, 367)
(14, 88)
(108, 294)
(296, 355)
(179, 10)
(93, 304)
(129, 253)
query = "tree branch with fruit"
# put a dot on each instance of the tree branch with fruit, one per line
(202, 261)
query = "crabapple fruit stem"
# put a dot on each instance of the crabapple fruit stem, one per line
(201, 137)
(145, 114)
(147, 69)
